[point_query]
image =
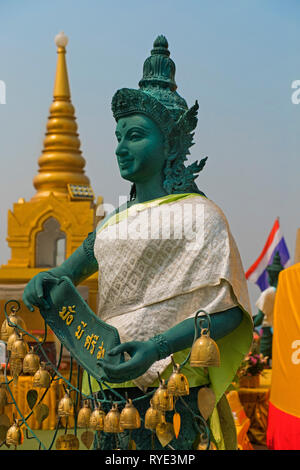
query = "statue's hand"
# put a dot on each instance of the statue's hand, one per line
(143, 355)
(34, 291)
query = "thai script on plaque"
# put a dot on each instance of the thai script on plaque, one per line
(90, 341)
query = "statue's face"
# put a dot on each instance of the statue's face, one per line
(140, 151)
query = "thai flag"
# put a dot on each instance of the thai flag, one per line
(257, 273)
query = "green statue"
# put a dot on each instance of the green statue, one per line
(265, 305)
(162, 256)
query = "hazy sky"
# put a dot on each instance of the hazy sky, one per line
(238, 58)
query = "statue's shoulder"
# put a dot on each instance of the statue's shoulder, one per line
(210, 208)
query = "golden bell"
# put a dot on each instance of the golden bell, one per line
(12, 338)
(19, 348)
(205, 351)
(112, 420)
(3, 396)
(7, 330)
(178, 384)
(16, 366)
(14, 435)
(67, 442)
(65, 406)
(152, 417)
(84, 415)
(31, 362)
(162, 400)
(97, 419)
(130, 417)
(42, 377)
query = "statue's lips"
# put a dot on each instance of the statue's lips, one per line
(124, 163)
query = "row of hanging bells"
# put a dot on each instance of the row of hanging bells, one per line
(204, 353)
(22, 358)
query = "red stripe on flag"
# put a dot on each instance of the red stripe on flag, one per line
(265, 249)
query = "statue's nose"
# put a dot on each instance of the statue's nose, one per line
(121, 149)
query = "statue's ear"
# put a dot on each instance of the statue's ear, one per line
(173, 146)
(181, 136)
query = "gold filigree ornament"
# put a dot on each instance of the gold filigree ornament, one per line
(130, 417)
(112, 420)
(10, 323)
(42, 378)
(205, 351)
(97, 419)
(84, 415)
(14, 435)
(162, 400)
(178, 384)
(31, 362)
(65, 406)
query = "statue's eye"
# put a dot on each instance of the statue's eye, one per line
(135, 135)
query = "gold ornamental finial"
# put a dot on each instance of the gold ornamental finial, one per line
(61, 40)
(61, 85)
(61, 163)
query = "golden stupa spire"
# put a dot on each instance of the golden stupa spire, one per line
(61, 162)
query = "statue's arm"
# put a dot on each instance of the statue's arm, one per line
(145, 353)
(80, 265)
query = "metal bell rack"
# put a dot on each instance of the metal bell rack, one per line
(198, 420)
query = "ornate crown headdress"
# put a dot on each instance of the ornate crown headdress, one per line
(157, 98)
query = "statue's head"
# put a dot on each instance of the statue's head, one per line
(274, 269)
(141, 148)
(154, 126)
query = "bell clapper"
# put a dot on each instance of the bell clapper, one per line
(117, 442)
(175, 401)
(129, 440)
(152, 439)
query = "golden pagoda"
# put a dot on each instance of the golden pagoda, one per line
(47, 229)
